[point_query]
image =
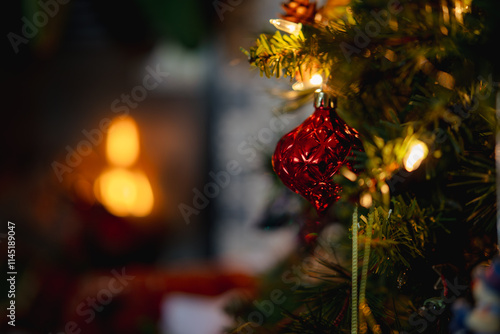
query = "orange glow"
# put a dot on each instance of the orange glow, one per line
(122, 144)
(125, 193)
(121, 190)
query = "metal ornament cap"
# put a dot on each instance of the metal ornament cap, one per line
(324, 100)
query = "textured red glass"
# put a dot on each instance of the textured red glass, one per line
(307, 158)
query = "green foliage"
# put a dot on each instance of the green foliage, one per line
(279, 55)
(418, 71)
(401, 235)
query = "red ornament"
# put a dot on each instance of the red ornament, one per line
(307, 157)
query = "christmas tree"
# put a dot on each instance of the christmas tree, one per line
(397, 164)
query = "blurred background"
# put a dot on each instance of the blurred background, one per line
(135, 146)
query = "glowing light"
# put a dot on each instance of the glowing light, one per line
(366, 200)
(349, 175)
(416, 154)
(316, 80)
(459, 11)
(446, 12)
(121, 190)
(122, 144)
(287, 26)
(125, 193)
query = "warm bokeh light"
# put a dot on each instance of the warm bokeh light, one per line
(125, 193)
(351, 176)
(416, 154)
(366, 200)
(122, 144)
(122, 191)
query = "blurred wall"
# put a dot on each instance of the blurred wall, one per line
(62, 81)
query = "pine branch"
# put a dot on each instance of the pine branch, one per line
(279, 55)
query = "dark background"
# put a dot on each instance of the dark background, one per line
(61, 83)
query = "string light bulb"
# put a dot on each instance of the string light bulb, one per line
(298, 86)
(316, 80)
(416, 154)
(287, 26)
